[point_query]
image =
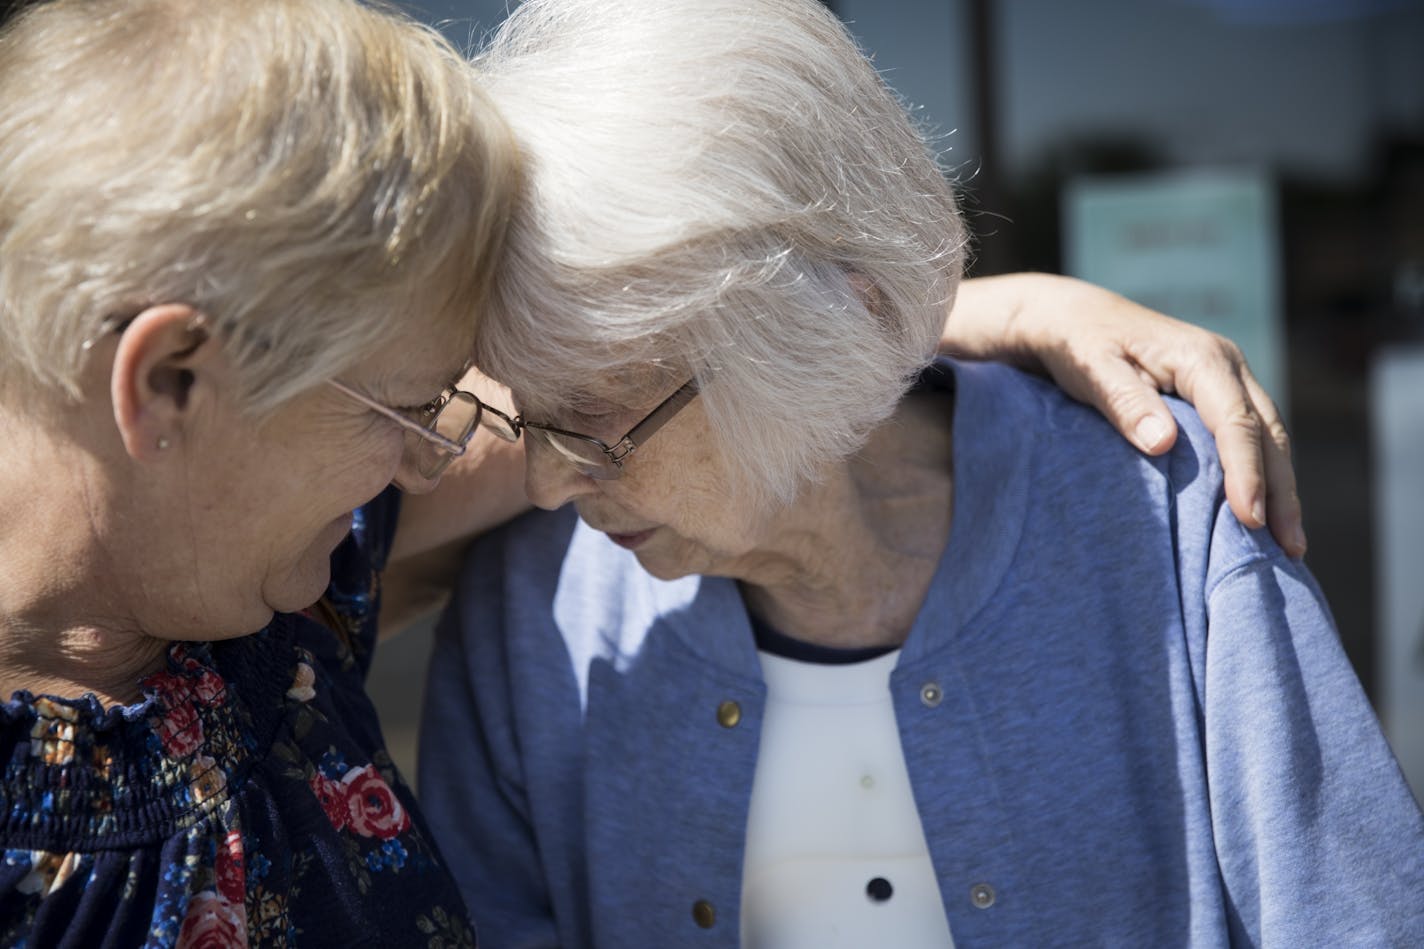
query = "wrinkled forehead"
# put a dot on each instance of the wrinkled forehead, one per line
(417, 352)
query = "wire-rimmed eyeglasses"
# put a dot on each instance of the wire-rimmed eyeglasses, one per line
(436, 432)
(591, 456)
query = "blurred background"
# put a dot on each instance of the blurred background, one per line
(1256, 166)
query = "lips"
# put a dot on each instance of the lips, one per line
(630, 541)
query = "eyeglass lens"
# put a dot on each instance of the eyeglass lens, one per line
(456, 420)
(584, 455)
(497, 423)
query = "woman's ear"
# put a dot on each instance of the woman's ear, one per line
(165, 354)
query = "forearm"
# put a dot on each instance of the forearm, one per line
(482, 489)
(985, 321)
(418, 586)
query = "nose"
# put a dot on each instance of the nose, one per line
(408, 476)
(549, 479)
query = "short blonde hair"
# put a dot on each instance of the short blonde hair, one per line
(710, 181)
(317, 176)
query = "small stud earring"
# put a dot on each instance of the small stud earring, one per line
(162, 443)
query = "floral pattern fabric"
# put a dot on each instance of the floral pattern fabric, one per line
(246, 800)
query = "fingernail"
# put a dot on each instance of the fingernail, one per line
(1150, 431)
(1299, 537)
(1258, 511)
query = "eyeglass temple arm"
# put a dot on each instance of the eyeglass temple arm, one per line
(656, 419)
(453, 447)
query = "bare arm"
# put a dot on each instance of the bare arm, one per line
(480, 490)
(1115, 355)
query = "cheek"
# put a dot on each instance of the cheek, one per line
(679, 480)
(382, 450)
(356, 467)
(696, 509)
(378, 461)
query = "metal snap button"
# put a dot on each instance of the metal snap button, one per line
(703, 914)
(981, 895)
(729, 713)
(931, 694)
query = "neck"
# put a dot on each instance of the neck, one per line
(80, 659)
(853, 559)
(60, 633)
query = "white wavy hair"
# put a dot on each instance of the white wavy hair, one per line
(709, 182)
(318, 176)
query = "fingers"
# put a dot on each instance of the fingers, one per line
(1283, 512)
(1127, 396)
(1238, 443)
(1215, 382)
(1252, 442)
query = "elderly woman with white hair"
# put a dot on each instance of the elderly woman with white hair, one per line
(827, 642)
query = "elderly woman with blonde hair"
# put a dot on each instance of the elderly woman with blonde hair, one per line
(825, 641)
(241, 244)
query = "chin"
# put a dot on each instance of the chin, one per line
(665, 568)
(301, 587)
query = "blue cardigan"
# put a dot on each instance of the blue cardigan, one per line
(1127, 720)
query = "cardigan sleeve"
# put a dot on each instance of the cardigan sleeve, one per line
(1318, 837)
(472, 783)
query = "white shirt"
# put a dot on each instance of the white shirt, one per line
(836, 855)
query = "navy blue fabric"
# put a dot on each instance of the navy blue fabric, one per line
(771, 640)
(247, 798)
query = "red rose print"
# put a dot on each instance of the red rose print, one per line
(181, 731)
(209, 688)
(232, 875)
(213, 923)
(172, 689)
(371, 806)
(332, 797)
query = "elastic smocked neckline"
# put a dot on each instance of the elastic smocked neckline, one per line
(79, 774)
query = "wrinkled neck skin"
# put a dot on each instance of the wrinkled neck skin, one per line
(67, 619)
(849, 564)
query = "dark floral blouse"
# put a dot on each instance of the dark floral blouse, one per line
(247, 799)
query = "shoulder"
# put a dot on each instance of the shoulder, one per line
(1078, 466)
(1002, 406)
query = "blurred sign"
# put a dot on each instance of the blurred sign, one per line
(1397, 407)
(1201, 247)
